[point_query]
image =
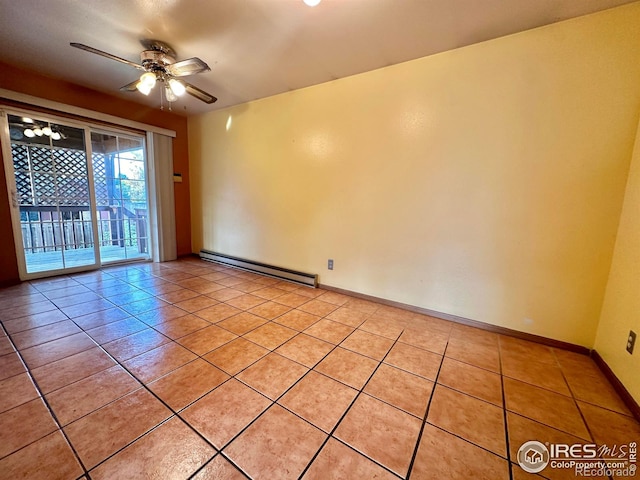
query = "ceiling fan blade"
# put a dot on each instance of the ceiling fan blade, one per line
(199, 94)
(130, 87)
(105, 54)
(190, 66)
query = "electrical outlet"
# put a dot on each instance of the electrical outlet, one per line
(330, 264)
(631, 341)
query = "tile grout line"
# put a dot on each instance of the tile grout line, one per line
(143, 385)
(467, 394)
(426, 413)
(220, 451)
(274, 402)
(335, 427)
(223, 455)
(56, 308)
(117, 362)
(174, 341)
(46, 403)
(575, 401)
(571, 396)
(504, 413)
(176, 413)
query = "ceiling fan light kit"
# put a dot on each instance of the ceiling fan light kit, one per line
(159, 65)
(34, 130)
(177, 87)
(146, 83)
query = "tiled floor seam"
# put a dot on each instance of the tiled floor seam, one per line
(446, 431)
(455, 434)
(86, 472)
(504, 414)
(240, 371)
(575, 400)
(255, 328)
(539, 386)
(174, 414)
(46, 403)
(42, 343)
(426, 414)
(335, 427)
(298, 416)
(177, 414)
(271, 351)
(273, 402)
(142, 384)
(155, 427)
(221, 453)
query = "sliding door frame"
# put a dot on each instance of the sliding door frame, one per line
(148, 162)
(14, 206)
(99, 120)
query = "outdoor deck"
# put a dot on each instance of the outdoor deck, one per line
(44, 261)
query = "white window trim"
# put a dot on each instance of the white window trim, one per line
(83, 112)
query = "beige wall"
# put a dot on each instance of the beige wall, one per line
(485, 182)
(621, 308)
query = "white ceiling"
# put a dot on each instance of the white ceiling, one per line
(257, 48)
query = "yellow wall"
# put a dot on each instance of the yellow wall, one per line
(485, 182)
(621, 308)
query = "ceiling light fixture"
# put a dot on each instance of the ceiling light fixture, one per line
(172, 88)
(312, 3)
(177, 87)
(38, 131)
(169, 94)
(146, 83)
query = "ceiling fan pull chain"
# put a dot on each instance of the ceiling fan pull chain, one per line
(166, 93)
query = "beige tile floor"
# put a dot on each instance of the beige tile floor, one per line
(193, 370)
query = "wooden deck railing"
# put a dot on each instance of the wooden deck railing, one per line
(51, 228)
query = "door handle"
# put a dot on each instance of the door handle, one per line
(14, 199)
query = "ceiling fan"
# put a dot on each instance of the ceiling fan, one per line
(158, 61)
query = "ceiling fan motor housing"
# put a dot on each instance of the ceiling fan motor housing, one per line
(154, 60)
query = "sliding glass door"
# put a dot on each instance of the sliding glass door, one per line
(69, 213)
(121, 196)
(51, 190)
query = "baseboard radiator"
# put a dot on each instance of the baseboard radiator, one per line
(302, 278)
